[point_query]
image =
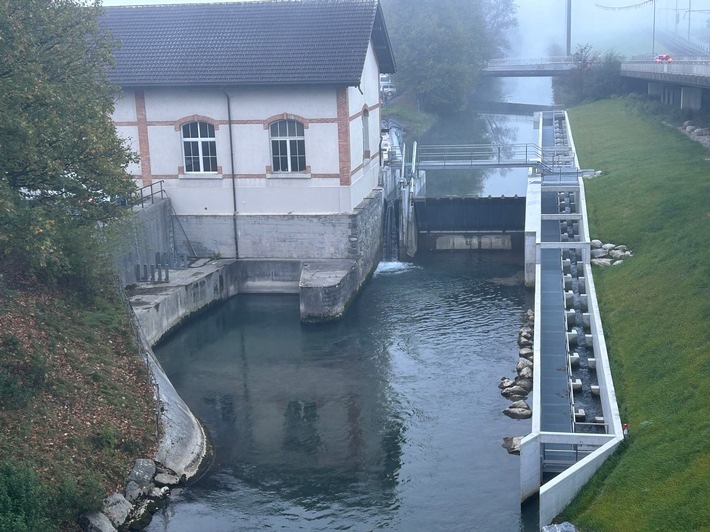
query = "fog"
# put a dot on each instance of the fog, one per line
(625, 26)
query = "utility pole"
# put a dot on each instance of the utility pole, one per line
(653, 47)
(569, 28)
(689, 10)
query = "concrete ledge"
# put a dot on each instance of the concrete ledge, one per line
(159, 308)
(326, 287)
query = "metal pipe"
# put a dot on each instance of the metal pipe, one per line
(234, 184)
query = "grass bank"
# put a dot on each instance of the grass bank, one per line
(76, 407)
(654, 196)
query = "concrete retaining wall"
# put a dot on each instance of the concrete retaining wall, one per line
(159, 308)
(557, 493)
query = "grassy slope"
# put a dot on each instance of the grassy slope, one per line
(76, 407)
(654, 196)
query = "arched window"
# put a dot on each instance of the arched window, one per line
(365, 134)
(199, 147)
(288, 146)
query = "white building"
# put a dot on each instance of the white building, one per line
(262, 119)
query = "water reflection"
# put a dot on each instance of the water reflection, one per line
(470, 127)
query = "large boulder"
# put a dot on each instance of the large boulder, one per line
(512, 444)
(514, 391)
(142, 472)
(505, 383)
(602, 262)
(525, 384)
(523, 363)
(560, 527)
(524, 342)
(96, 522)
(525, 373)
(518, 413)
(527, 353)
(117, 508)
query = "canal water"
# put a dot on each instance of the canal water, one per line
(390, 418)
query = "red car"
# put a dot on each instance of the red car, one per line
(663, 58)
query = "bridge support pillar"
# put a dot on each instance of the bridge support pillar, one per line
(691, 98)
(664, 92)
(655, 89)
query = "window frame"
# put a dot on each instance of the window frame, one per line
(287, 141)
(202, 142)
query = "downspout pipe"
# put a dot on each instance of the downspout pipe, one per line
(234, 184)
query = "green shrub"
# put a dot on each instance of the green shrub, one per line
(72, 498)
(23, 505)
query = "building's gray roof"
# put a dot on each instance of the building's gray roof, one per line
(247, 43)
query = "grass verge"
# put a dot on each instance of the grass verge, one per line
(654, 196)
(76, 407)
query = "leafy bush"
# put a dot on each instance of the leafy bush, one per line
(23, 505)
(595, 76)
(72, 498)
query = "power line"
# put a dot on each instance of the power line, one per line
(625, 8)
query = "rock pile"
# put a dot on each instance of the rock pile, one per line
(147, 487)
(517, 390)
(608, 254)
(698, 134)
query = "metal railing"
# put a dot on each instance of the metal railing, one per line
(148, 193)
(491, 155)
(507, 61)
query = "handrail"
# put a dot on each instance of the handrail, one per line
(140, 196)
(548, 160)
(507, 61)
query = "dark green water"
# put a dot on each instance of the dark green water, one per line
(390, 418)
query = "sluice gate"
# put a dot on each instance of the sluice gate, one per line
(470, 222)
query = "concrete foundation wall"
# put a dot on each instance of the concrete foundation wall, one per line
(148, 231)
(356, 235)
(205, 236)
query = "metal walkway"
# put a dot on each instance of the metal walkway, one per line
(556, 397)
(547, 159)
